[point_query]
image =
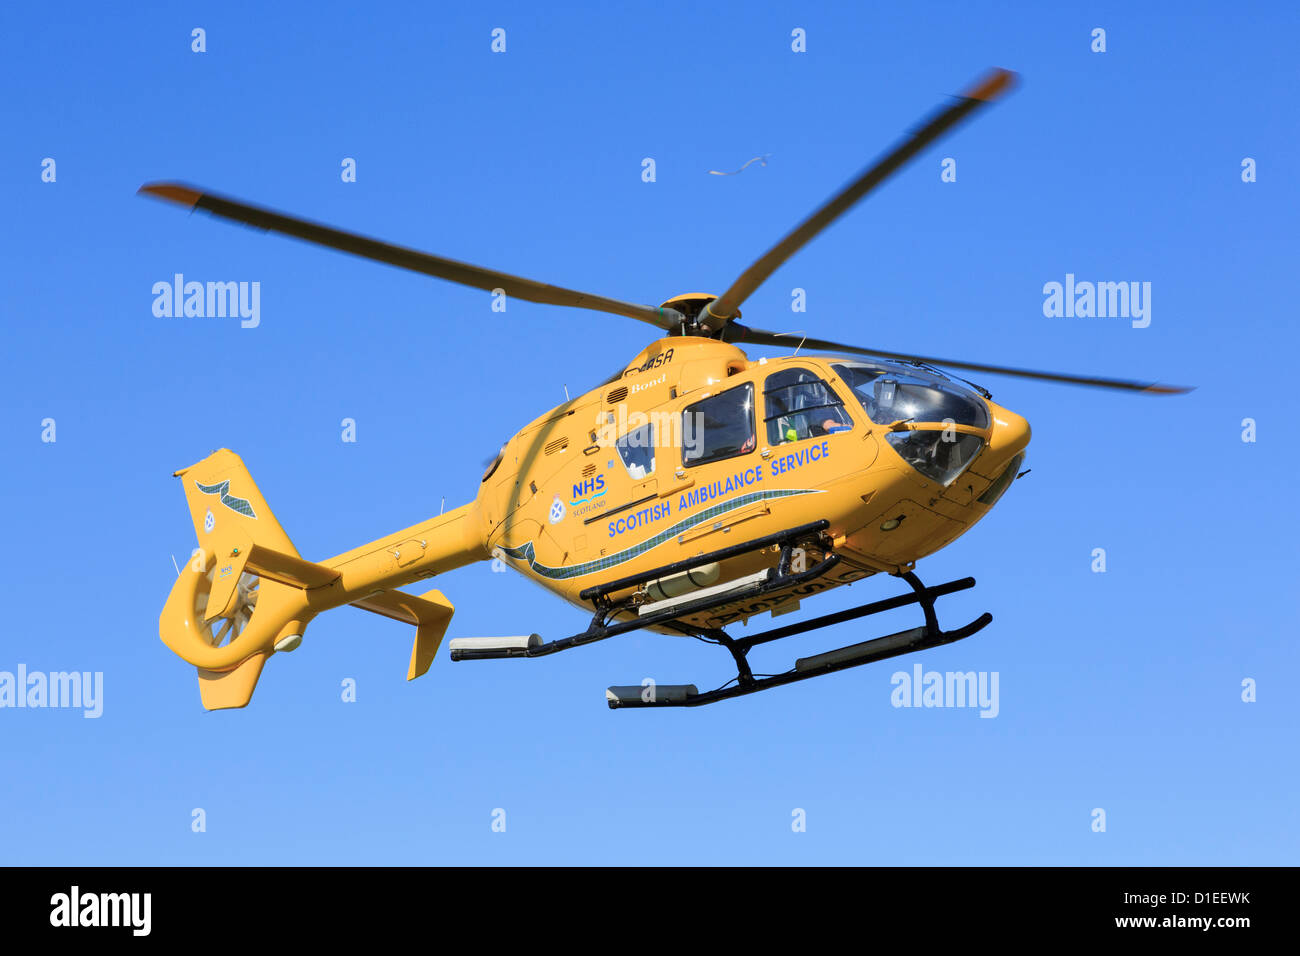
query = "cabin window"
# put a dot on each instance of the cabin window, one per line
(637, 449)
(800, 405)
(718, 427)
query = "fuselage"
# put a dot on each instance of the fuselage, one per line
(691, 449)
(695, 447)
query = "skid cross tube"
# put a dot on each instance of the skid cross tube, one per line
(852, 614)
(777, 579)
(854, 655)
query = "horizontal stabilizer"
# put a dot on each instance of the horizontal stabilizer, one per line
(430, 613)
(240, 555)
(288, 568)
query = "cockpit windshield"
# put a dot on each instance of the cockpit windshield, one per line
(891, 393)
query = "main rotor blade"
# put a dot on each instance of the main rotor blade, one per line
(725, 307)
(464, 273)
(745, 335)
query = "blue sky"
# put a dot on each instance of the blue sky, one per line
(1119, 691)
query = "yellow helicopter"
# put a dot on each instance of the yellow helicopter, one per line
(695, 489)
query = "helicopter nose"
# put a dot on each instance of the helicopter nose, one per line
(1010, 437)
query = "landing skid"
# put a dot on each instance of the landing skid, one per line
(673, 614)
(891, 645)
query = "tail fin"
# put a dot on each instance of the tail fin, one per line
(246, 593)
(225, 504)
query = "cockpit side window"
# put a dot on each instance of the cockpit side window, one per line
(637, 449)
(799, 404)
(718, 427)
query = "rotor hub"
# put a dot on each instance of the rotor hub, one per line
(690, 305)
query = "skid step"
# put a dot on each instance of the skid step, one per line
(649, 694)
(865, 649)
(470, 648)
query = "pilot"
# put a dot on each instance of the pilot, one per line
(827, 427)
(831, 426)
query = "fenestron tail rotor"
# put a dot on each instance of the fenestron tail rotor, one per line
(226, 627)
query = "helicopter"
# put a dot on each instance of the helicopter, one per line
(692, 491)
